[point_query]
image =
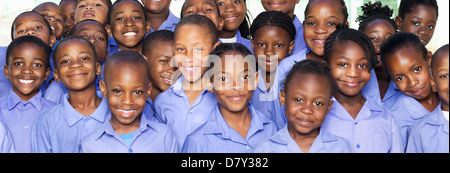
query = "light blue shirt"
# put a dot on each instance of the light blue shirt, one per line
(6, 141)
(172, 107)
(61, 128)
(170, 23)
(407, 111)
(246, 42)
(430, 134)
(56, 91)
(19, 116)
(299, 40)
(5, 84)
(325, 142)
(372, 131)
(372, 89)
(215, 136)
(150, 137)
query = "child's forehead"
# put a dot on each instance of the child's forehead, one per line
(49, 7)
(89, 26)
(27, 46)
(29, 17)
(77, 45)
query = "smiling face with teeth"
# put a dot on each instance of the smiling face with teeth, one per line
(128, 25)
(127, 89)
(233, 13)
(27, 69)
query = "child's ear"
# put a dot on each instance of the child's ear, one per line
(346, 23)
(217, 44)
(98, 69)
(430, 56)
(52, 41)
(47, 73)
(256, 81)
(146, 59)
(433, 83)
(102, 86)
(148, 27)
(107, 56)
(291, 46)
(282, 98)
(221, 24)
(5, 70)
(56, 75)
(149, 90)
(330, 106)
(108, 30)
(398, 21)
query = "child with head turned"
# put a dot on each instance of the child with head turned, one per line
(159, 15)
(128, 24)
(288, 7)
(82, 111)
(27, 68)
(377, 24)
(430, 135)
(53, 13)
(159, 59)
(234, 125)
(307, 96)
(406, 60)
(368, 126)
(186, 104)
(92, 9)
(93, 31)
(207, 8)
(127, 87)
(68, 8)
(27, 23)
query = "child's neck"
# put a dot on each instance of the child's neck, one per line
(227, 34)
(137, 49)
(192, 90)
(124, 128)
(431, 102)
(239, 121)
(383, 80)
(352, 104)
(157, 19)
(269, 79)
(26, 97)
(312, 56)
(304, 141)
(85, 101)
(444, 107)
(154, 93)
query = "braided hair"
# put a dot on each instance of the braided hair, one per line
(343, 33)
(375, 11)
(274, 18)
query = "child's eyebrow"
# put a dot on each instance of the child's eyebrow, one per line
(38, 21)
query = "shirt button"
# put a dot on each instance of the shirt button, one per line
(357, 146)
(248, 148)
(356, 123)
(26, 127)
(130, 150)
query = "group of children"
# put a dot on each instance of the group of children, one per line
(99, 77)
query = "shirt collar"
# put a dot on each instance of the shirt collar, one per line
(437, 119)
(14, 100)
(170, 22)
(107, 127)
(367, 110)
(72, 116)
(417, 111)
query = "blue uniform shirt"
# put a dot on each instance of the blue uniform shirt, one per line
(170, 23)
(6, 141)
(246, 42)
(372, 131)
(215, 136)
(150, 137)
(325, 142)
(299, 40)
(5, 84)
(172, 107)
(372, 89)
(407, 111)
(19, 116)
(430, 134)
(61, 128)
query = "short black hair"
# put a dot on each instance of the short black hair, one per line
(111, 9)
(343, 33)
(28, 39)
(108, 3)
(72, 30)
(30, 12)
(274, 18)
(126, 57)
(374, 11)
(407, 5)
(203, 22)
(437, 54)
(151, 41)
(310, 67)
(68, 38)
(342, 4)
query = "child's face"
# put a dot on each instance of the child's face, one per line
(410, 72)
(159, 62)
(234, 82)
(271, 45)
(307, 102)
(55, 17)
(232, 12)
(127, 90)
(192, 47)
(440, 75)
(320, 22)
(378, 31)
(285, 6)
(420, 21)
(349, 68)
(96, 34)
(128, 25)
(68, 8)
(92, 9)
(156, 6)
(32, 24)
(206, 8)
(75, 65)
(27, 70)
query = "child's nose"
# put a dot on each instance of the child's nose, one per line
(352, 71)
(321, 29)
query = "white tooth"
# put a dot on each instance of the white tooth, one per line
(25, 81)
(126, 111)
(130, 34)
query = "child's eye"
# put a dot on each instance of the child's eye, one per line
(164, 61)
(84, 58)
(197, 49)
(37, 65)
(261, 44)
(311, 23)
(20, 31)
(139, 92)
(245, 77)
(44, 15)
(38, 27)
(223, 79)
(120, 19)
(220, 4)
(65, 61)
(430, 27)
(399, 78)
(342, 65)
(116, 91)
(362, 66)
(331, 23)
(81, 6)
(137, 18)
(237, 2)
(18, 63)
(417, 69)
(101, 38)
(98, 5)
(299, 100)
(415, 23)
(318, 103)
(209, 9)
(444, 76)
(180, 49)
(85, 37)
(58, 20)
(278, 45)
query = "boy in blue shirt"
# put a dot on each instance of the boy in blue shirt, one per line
(234, 126)
(186, 105)
(6, 142)
(27, 68)
(61, 128)
(430, 135)
(159, 15)
(127, 87)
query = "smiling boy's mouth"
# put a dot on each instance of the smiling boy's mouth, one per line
(26, 81)
(130, 34)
